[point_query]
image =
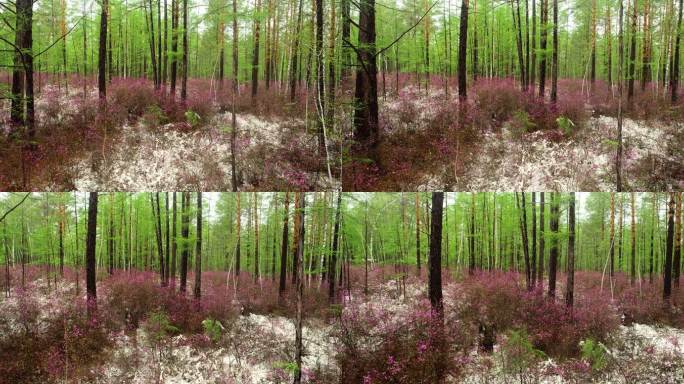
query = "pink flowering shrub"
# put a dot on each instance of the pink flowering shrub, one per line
(375, 347)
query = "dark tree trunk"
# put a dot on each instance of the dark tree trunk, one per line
(299, 347)
(184, 81)
(677, 257)
(435, 259)
(418, 263)
(523, 235)
(158, 232)
(542, 46)
(632, 54)
(570, 285)
(335, 249)
(674, 71)
(553, 253)
(167, 239)
(540, 267)
(471, 238)
(283, 246)
(102, 52)
(462, 51)
(294, 73)
(533, 254)
(234, 130)
(320, 75)
(667, 269)
(185, 231)
(554, 57)
(237, 245)
(198, 250)
(174, 46)
(346, 33)
(174, 244)
(255, 54)
(91, 239)
(366, 131)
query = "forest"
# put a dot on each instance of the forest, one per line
(379, 95)
(326, 287)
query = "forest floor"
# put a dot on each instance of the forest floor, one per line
(151, 143)
(500, 156)
(259, 348)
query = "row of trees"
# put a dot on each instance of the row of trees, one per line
(536, 234)
(320, 44)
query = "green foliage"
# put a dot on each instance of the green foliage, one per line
(159, 326)
(566, 125)
(595, 353)
(192, 118)
(521, 123)
(287, 366)
(154, 116)
(213, 329)
(518, 353)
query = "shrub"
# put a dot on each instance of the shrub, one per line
(518, 355)
(376, 348)
(595, 353)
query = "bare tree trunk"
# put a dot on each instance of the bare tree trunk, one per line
(255, 54)
(283, 247)
(554, 58)
(184, 81)
(335, 249)
(299, 347)
(570, 285)
(91, 239)
(102, 52)
(366, 130)
(294, 73)
(198, 250)
(667, 269)
(462, 51)
(674, 71)
(185, 231)
(553, 253)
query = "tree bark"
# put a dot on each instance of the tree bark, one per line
(570, 285)
(198, 250)
(91, 239)
(185, 231)
(553, 252)
(102, 52)
(299, 347)
(335, 250)
(462, 51)
(283, 247)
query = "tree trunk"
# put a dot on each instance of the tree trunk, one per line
(418, 263)
(102, 52)
(174, 46)
(542, 42)
(198, 250)
(570, 285)
(540, 268)
(335, 250)
(554, 57)
(237, 245)
(184, 81)
(462, 51)
(674, 70)
(91, 239)
(553, 252)
(185, 231)
(366, 130)
(632, 54)
(174, 244)
(255, 53)
(294, 73)
(283, 246)
(435, 259)
(677, 257)
(257, 275)
(667, 269)
(299, 347)
(633, 230)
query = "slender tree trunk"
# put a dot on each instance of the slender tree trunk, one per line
(570, 285)
(174, 244)
(435, 259)
(283, 247)
(185, 232)
(677, 257)
(633, 231)
(542, 41)
(462, 51)
(237, 231)
(102, 52)
(335, 250)
(417, 203)
(184, 81)
(174, 46)
(198, 250)
(255, 54)
(299, 347)
(540, 268)
(554, 58)
(294, 72)
(612, 235)
(674, 70)
(632, 54)
(553, 252)
(667, 269)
